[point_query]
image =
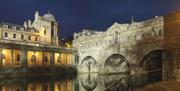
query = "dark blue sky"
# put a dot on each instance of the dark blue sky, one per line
(75, 15)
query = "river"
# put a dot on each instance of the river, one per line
(82, 82)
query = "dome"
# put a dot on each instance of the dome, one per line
(49, 17)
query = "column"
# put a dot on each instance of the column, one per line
(59, 57)
(43, 58)
(11, 62)
(66, 57)
(51, 58)
(23, 57)
(73, 58)
(34, 58)
(0, 56)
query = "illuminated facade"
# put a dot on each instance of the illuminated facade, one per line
(149, 47)
(33, 43)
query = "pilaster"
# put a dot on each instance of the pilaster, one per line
(43, 64)
(51, 58)
(60, 58)
(23, 57)
(66, 58)
(11, 62)
(0, 56)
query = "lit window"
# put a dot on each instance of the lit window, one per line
(2, 56)
(45, 59)
(58, 59)
(14, 35)
(18, 58)
(33, 58)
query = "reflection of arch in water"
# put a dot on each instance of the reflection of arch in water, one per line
(89, 62)
(89, 83)
(117, 63)
(117, 83)
(152, 64)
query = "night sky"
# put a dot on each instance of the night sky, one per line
(75, 15)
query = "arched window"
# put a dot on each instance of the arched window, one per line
(45, 59)
(58, 59)
(18, 58)
(33, 58)
(2, 56)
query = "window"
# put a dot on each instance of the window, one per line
(135, 37)
(5, 34)
(3, 56)
(45, 59)
(18, 58)
(22, 36)
(14, 35)
(29, 37)
(14, 28)
(36, 38)
(58, 59)
(160, 33)
(45, 31)
(33, 58)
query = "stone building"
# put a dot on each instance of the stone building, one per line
(33, 44)
(147, 47)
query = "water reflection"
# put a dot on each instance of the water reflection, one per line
(85, 82)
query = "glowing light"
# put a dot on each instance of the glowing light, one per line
(68, 45)
(35, 53)
(3, 52)
(42, 29)
(57, 54)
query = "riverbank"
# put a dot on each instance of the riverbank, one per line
(170, 85)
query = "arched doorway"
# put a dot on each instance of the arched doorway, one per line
(89, 63)
(117, 63)
(152, 65)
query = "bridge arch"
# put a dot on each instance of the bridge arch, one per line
(117, 63)
(152, 65)
(89, 63)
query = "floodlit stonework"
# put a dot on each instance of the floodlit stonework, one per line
(33, 44)
(136, 47)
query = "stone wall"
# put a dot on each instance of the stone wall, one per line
(172, 44)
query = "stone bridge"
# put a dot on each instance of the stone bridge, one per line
(150, 47)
